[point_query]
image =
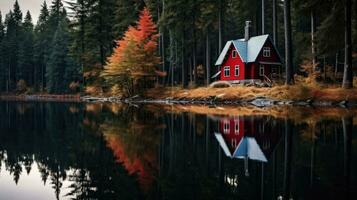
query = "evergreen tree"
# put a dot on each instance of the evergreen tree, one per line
(288, 44)
(13, 31)
(17, 13)
(42, 45)
(60, 66)
(25, 61)
(2, 65)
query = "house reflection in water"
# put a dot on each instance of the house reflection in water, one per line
(248, 138)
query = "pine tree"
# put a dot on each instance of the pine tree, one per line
(288, 44)
(100, 29)
(25, 61)
(58, 62)
(2, 65)
(126, 13)
(42, 45)
(57, 13)
(17, 13)
(13, 31)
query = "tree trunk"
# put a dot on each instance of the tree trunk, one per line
(313, 50)
(171, 58)
(348, 73)
(325, 70)
(163, 45)
(263, 18)
(190, 70)
(183, 64)
(336, 66)
(275, 23)
(220, 27)
(288, 48)
(208, 59)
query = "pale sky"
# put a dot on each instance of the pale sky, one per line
(34, 6)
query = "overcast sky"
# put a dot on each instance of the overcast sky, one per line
(34, 6)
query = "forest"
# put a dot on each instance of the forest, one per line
(70, 48)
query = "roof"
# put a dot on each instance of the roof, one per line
(247, 50)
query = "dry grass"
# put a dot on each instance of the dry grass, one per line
(282, 92)
(305, 88)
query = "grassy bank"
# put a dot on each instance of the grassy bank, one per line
(244, 93)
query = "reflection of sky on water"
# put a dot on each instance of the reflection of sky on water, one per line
(30, 186)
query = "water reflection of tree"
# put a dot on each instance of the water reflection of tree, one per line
(51, 136)
(134, 138)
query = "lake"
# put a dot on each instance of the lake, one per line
(117, 151)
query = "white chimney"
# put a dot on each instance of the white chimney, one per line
(247, 30)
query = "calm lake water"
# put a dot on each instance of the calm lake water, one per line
(112, 151)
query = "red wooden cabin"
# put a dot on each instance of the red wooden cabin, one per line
(251, 59)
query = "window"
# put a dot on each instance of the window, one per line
(226, 71)
(261, 70)
(266, 51)
(234, 54)
(236, 127)
(234, 143)
(226, 127)
(236, 70)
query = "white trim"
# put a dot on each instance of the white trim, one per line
(266, 52)
(235, 70)
(226, 126)
(229, 71)
(269, 63)
(217, 74)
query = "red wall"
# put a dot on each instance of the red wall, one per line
(232, 62)
(232, 138)
(250, 70)
(267, 68)
(273, 54)
(267, 135)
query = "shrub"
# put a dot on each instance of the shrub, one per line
(21, 86)
(74, 86)
(220, 84)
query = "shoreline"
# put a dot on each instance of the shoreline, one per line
(298, 95)
(41, 98)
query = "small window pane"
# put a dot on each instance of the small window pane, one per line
(226, 71)
(236, 70)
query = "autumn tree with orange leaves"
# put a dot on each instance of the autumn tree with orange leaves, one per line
(134, 60)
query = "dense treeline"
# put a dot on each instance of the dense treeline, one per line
(77, 38)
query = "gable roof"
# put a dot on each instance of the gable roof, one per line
(247, 50)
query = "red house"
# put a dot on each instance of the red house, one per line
(251, 59)
(232, 130)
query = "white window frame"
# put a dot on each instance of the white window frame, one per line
(228, 69)
(236, 126)
(226, 126)
(261, 70)
(266, 52)
(236, 69)
(234, 53)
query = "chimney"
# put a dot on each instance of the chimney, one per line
(247, 30)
